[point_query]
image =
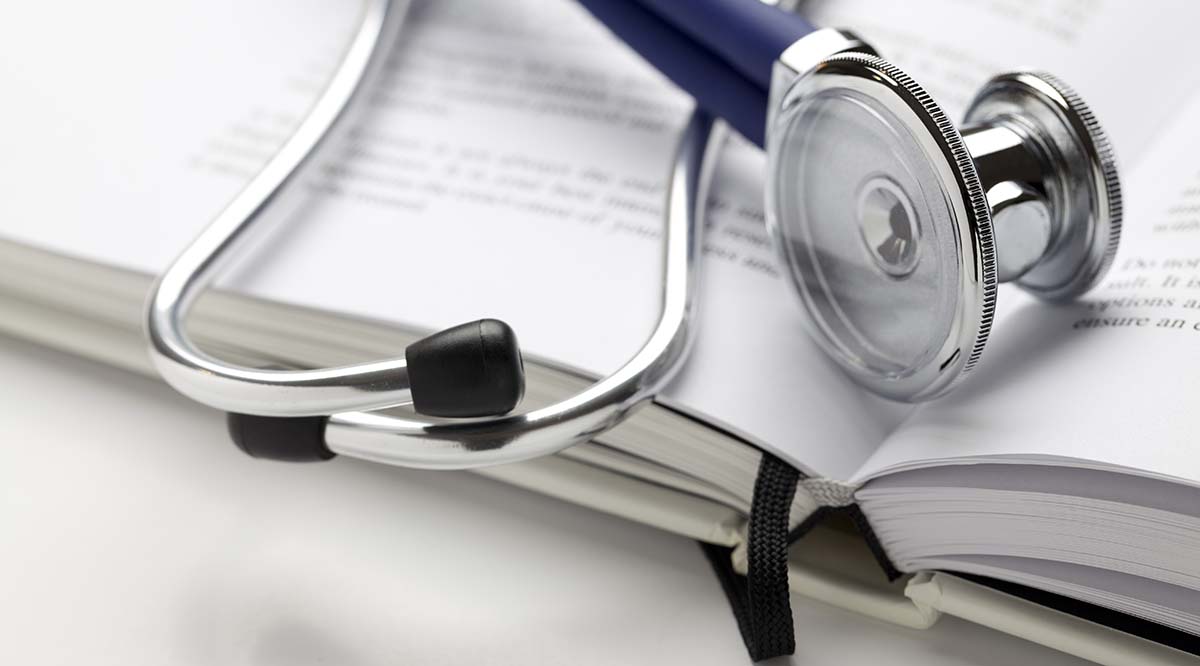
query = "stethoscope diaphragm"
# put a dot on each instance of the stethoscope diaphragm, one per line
(896, 228)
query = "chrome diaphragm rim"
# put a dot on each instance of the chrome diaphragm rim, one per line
(971, 230)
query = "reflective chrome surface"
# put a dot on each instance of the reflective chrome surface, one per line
(877, 211)
(260, 205)
(461, 444)
(414, 442)
(1032, 132)
(896, 229)
(1023, 226)
(803, 56)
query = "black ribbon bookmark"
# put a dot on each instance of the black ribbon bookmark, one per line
(761, 601)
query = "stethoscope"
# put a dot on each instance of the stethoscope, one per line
(894, 226)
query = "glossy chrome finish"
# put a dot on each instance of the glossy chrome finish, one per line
(1041, 153)
(1035, 198)
(275, 392)
(1023, 227)
(801, 57)
(954, 348)
(462, 444)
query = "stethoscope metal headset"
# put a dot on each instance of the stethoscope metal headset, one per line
(894, 226)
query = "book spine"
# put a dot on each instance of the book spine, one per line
(761, 598)
(1033, 622)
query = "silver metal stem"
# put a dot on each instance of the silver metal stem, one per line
(461, 444)
(1001, 153)
(1033, 132)
(1012, 175)
(274, 392)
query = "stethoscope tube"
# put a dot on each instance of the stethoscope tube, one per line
(458, 444)
(720, 51)
(315, 414)
(275, 392)
(749, 36)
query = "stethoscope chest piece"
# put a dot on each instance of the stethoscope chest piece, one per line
(896, 228)
(1045, 157)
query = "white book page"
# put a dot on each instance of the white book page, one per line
(108, 107)
(1110, 382)
(511, 164)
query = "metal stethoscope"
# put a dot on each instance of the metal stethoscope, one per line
(894, 226)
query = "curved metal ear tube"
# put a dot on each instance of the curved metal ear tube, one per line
(462, 444)
(471, 370)
(282, 414)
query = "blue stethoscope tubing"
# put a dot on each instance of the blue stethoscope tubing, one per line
(720, 51)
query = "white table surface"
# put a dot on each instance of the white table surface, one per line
(133, 532)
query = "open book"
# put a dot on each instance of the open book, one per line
(521, 140)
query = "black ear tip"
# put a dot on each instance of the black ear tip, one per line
(501, 351)
(292, 439)
(473, 369)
